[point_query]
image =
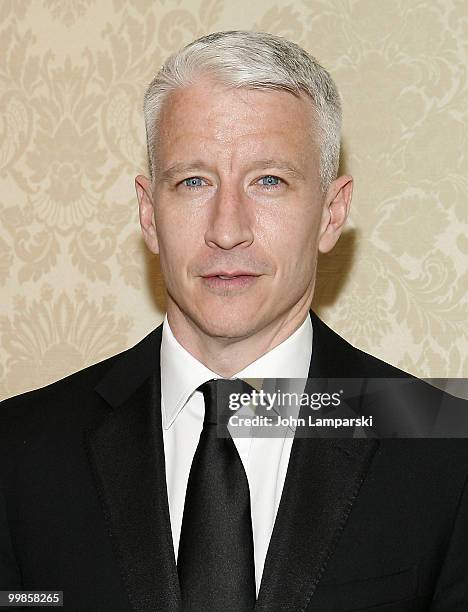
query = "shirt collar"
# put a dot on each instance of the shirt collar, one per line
(182, 374)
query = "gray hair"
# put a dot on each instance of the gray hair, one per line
(253, 60)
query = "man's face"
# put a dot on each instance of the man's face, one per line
(238, 208)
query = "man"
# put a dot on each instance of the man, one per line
(105, 486)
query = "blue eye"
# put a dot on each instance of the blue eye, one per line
(194, 182)
(270, 181)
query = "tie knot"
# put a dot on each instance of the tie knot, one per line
(218, 394)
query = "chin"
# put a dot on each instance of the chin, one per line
(228, 323)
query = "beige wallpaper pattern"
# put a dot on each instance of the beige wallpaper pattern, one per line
(77, 283)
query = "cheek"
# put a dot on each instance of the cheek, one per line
(177, 240)
(176, 252)
(291, 240)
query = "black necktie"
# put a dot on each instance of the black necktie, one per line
(216, 557)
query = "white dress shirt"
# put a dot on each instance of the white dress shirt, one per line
(265, 460)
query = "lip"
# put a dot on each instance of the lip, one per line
(229, 274)
(235, 283)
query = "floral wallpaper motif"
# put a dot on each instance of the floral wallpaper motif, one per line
(56, 333)
(67, 11)
(76, 280)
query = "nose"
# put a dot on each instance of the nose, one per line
(230, 222)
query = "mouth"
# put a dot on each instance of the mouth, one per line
(225, 282)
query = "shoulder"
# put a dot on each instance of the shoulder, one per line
(74, 397)
(340, 357)
(335, 357)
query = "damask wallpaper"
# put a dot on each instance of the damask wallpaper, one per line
(77, 282)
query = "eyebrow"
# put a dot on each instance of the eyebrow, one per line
(282, 165)
(261, 164)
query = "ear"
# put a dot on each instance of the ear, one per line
(146, 212)
(335, 212)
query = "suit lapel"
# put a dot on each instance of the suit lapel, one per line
(126, 453)
(322, 481)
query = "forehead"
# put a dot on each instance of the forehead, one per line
(211, 116)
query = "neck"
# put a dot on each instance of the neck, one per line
(227, 356)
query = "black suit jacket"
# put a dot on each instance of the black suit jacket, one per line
(363, 524)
